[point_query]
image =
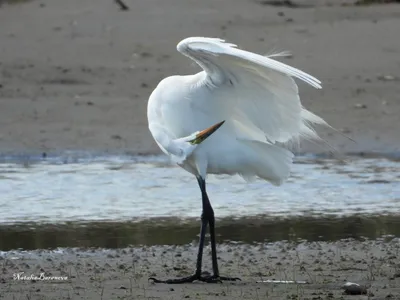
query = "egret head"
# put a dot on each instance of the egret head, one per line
(200, 136)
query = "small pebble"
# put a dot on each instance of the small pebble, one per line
(360, 105)
(351, 288)
(386, 77)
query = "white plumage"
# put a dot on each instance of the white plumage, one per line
(255, 95)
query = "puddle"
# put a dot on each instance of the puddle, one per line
(70, 189)
(173, 231)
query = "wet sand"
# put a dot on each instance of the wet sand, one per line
(123, 273)
(77, 75)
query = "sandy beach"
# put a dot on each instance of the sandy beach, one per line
(76, 75)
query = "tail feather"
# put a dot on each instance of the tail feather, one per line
(311, 118)
(268, 161)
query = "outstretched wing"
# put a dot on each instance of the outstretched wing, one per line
(260, 92)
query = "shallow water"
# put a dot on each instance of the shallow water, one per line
(121, 188)
(173, 231)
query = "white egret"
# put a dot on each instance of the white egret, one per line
(234, 117)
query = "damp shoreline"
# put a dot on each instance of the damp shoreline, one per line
(175, 231)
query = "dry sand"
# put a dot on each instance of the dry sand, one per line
(77, 74)
(123, 273)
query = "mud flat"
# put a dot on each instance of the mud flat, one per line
(123, 273)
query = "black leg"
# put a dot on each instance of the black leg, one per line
(209, 212)
(207, 218)
(214, 256)
(213, 248)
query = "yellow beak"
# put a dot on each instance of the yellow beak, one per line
(202, 135)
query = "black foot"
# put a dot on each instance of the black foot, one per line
(206, 279)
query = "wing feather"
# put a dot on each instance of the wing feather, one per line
(261, 90)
